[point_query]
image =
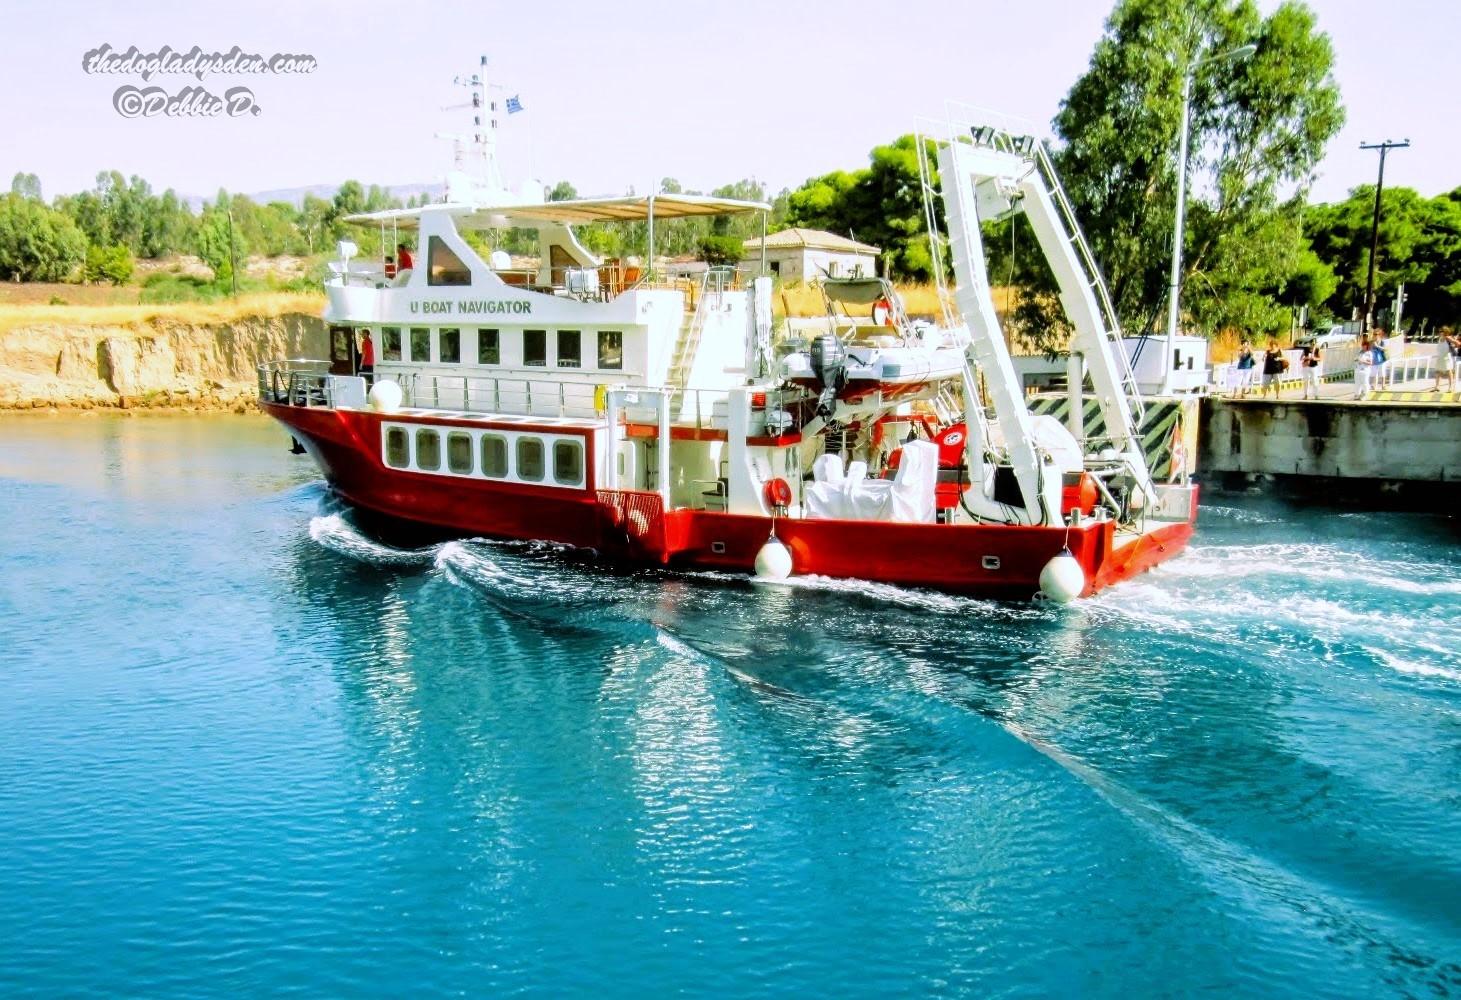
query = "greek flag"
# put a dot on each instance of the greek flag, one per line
(514, 105)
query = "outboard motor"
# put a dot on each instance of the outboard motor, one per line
(829, 365)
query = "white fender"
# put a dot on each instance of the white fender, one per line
(1062, 580)
(773, 560)
(385, 397)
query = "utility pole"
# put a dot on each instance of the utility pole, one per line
(1383, 147)
(1174, 295)
(232, 260)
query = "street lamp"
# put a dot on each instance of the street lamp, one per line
(1174, 297)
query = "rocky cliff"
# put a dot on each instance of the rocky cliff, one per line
(160, 361)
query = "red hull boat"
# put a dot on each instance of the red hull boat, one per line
(598, 405)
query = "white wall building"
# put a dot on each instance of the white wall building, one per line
(808, 254)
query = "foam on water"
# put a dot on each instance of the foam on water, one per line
(1311, 561)
(334, 532)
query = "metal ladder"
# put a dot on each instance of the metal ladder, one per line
(1094, 279)
(712, 291)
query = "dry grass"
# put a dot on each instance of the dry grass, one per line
(199, 313)
(16, 293)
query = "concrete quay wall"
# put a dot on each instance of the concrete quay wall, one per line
(1406, 454)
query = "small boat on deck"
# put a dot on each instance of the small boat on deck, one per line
(884, 353)
(661, 421)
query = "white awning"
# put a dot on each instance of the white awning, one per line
(633, 208)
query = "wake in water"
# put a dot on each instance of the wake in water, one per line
(333, 532)
(1396, 612)
(1327, 595)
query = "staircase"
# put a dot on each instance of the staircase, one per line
(712, 293)
(948, 404)
(1094, 279)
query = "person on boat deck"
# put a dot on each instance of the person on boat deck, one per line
(390, 266)
(1273, 364)
(883, 311)
(403, 258)
(367, 358)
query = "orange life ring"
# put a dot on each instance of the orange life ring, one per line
(777, 492)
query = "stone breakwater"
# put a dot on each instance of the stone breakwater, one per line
(160, 362)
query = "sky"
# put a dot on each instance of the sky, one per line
(622, 94)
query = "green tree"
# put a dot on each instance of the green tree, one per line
(722, 250)
(562, 191)
(26, 186)
(37, 243)
(1258, 127)
(1420, 245)
(1436, 301)
(213, 243)
(314, 223)
(169, 227)
(112, 264)
(881, 204)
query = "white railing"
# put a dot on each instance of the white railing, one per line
(526, 397)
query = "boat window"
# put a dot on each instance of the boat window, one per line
(459, 453)
(611, 349)
(398, 455)
(450, 348)
(570, 349)
(487, 348)
(428, 450)
(530, 459)
(390, 343)
(340, 343)
(535, 347)
(568, 463)
(444, 267)
(420, 344)
(494, 456)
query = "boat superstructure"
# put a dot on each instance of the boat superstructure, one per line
(600, 404)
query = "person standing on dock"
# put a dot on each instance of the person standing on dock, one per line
(1381, 374)
(1245, 368)
(1448, 358)
(1272, 369)
(1312, 362)
(1363, 362)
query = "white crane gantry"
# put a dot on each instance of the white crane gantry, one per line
(985, 175)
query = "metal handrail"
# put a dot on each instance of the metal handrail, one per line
(1094, 278)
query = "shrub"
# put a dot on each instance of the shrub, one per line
(110, 264)
(721, 250)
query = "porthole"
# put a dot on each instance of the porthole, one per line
(398, 453)
(530, 459)
(494, 456)
(459, 453)
(428, 450)
(568, 463)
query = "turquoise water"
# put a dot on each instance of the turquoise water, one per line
(246, 749)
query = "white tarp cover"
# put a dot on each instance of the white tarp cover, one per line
(908, 496)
